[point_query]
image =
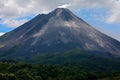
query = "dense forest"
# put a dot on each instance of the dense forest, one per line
(71, 65)
(22, 71)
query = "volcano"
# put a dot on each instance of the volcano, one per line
(57, 31)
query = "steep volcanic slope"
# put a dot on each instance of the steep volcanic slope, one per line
(57, 31)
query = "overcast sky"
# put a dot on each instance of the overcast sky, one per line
(101, 14)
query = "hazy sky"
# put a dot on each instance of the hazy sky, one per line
(101, 14)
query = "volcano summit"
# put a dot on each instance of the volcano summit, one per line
(57, 31)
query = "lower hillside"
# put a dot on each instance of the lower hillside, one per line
(71, 65)
(22, 71)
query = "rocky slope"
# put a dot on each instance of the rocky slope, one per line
(57, 31)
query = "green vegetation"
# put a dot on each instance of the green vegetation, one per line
(111, 78)
(71, 65)
(75, 71)
(23, 71)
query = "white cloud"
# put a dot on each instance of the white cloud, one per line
(14, 9)
(114, 13)
(64, 6)
(13, 23)
(1, 34)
